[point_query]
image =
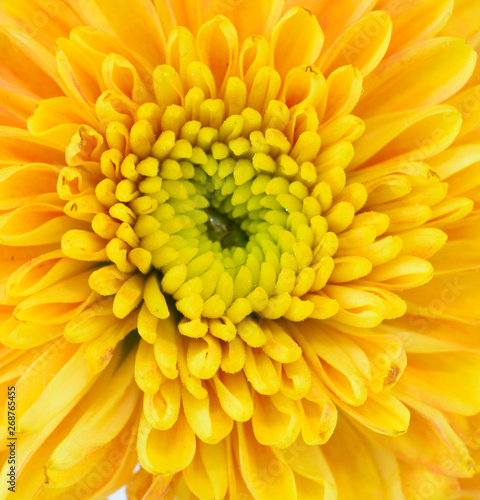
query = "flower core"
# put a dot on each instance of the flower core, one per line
(228, 211)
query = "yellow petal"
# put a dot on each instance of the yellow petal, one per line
(344, 88)
(431, 441)
(408, 135)
(57, 119)
(166, 452)
(162, 408)
(356, 307)
(39, 273)
(296, 39)
(276, 420)
(318, 414)
(261, 371)
(335, 18)
(20, 335)
(204, 356)
(296, 379)
(105, 417)
(206, 416)
(36, 223)
(143, 35)
(112, 479)
(464, 20)
(25, 78)
(65, 299)
(446, 263)
(382, 413)
(40, 403)
(402, 273)
(101, 350)
(386, 354)
(439, 486)
(84, 245)
(154, 298)
(207, 475)
(234, 395)
(279, 345)
(363, 44)
(89, 325)
(423, 242)
(147, 373)
(416, 21)
(251, 17)
(252, 458)
(14, 147)
(181, 50)
(428, 373)
(16, 188)
(459, 166)
(31, 46)
(120, 75)
(218, 47)
(165, 348)
(334, 360)
(86, 145)
(376, 465)
(313, 477)
(428, 72)
(452, 297)
(129, 296)
(142, 482)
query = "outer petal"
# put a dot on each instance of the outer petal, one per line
(166, 452)
(335, 17)
(415, 20)
(249, 17)
(19, 146)
(453, 296)
(431, 442)
(296, 39)
(363, 44)
(465, 21)
(218, 47)
(207, 475)
(43, 20)
(437, 486)
(376, 467)
(408, 135)
(142, 33)
(253, 457)
(421, 75)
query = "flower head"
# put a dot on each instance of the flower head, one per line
(224, 232)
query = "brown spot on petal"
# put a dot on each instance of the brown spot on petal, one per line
(391, 378)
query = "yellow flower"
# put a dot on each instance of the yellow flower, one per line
(240, 245)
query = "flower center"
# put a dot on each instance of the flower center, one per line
(223, 212)
(227, 206)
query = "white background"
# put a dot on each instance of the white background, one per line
(119, 495)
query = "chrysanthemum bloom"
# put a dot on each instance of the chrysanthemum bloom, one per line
(240, 245)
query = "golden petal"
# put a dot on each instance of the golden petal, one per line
(363, 44)
(207, 474)
(296, 39)
(252, 459)
(155, 447)
(429, 72)
(143, 35)
(376, 465)
(218, 48)
(63, 365)
(416, 21)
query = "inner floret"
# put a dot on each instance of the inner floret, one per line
(221, 214)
